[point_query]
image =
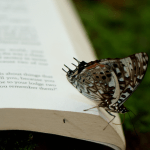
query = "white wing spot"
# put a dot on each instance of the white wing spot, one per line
(119, 101)
(90, 84)
(117, 70)
(121, 79)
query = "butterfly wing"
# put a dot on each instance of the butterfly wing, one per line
(109, 80)
(95, 81)
(129, 72)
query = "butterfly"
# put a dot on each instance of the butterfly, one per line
(109, 82)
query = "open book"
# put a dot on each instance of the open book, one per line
(36, 39)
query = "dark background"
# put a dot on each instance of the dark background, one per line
(116, 28)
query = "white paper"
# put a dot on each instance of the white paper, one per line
(34, 45)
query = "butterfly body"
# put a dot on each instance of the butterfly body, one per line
(109, 82)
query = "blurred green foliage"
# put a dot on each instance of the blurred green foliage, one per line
(117, 32)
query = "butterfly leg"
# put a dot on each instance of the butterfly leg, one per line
(121, 122)
(110, 120)
(90, 108)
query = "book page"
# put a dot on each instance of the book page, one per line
(35, 42)
(34, 45)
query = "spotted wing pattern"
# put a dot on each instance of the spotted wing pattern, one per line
(130, 72)
(109, 82)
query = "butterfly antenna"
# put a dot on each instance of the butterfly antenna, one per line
(122, 122)
(131, 111)
(76, 60)
(74, 64)
(64, 70)
(133, 125)
(67, 67)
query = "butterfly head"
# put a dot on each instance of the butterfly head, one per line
(71, 74)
